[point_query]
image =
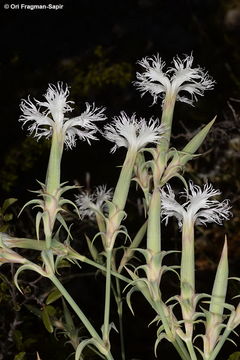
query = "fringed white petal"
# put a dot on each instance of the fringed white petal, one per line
(153, 79)
(199, 208)
(49, 116)
(88, 202)
(132, 133)
(181, 78)
(170, 206)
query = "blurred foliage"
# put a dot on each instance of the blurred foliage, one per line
(101, 72)
(20, 356)
(235, 356)
(25, 320)
(19, 161)
(6, 217)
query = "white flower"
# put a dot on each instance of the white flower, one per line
(48, 116)
(198, 207)
(179, 78)
(89, 204)
(132, 133)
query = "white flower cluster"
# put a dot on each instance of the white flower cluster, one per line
(179, 78)
(90, 203)
(197, 208)
(48, 116)
(132, 133)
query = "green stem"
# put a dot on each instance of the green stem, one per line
(129, 252)
(219, 345)
(107, 299)
(178, 343)
(115, 218)
(166, 120)
(40, 245)
(76, 308)
(120, 316)
(122, 187)
(75, 255)
(163, 146)
(52, 185)
(25, 243)
(180, 348)
(187, 279)
(54, 163)
(191, 350)
(154, 227)
(187, 272)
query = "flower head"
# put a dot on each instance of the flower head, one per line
(181, 78)
(198, 207)
(132, 133)
(90, 203)
(49, 115)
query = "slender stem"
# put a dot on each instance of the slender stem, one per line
(122, 187)
(80, 314)
(107, 298)
(187, 272)
(25, 243)
(41, 245)
(75, 255)
(115, 218)
(178, 343)
(159, 307)
(191, 350)
(129, 253)
(154, 228)
(166, 120)
(76, 308)
(120, 316)
(54, 163)
(180, 347)
(187, 276)
(219, 345)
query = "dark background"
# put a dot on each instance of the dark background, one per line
(93, 46)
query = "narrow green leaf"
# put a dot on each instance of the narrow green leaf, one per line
(7, 217)
(4, 228)
(20, 356)
(93, 250)
(63, 223)
(220, 284)
(198, 139)
(235, 356)
(46, 319)
(38, 220)
(68, 318)
(34, 310)
(54, 295)
(7, 203)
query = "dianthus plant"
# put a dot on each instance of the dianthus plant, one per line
(131, 262)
